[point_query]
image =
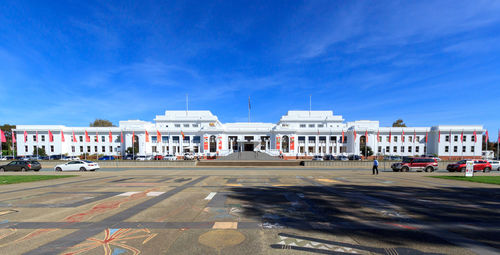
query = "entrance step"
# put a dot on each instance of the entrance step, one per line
(249, 163)
(249, 155)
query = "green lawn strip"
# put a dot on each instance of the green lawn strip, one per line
(480, 179)
(11, 179)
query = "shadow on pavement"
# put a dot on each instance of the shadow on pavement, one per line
(392, 216)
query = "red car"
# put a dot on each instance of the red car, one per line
(158, 157)
(425, 164)
(479, 165)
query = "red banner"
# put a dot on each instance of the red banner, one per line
(87, 137)
(147, 136)
(278, 144)
(51, 137)
(62, 136)
(110, 137)
(205, 143)
(292, 143)
(220, 142)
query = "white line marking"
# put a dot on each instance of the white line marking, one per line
(210, 196)
(127, 194)
(154, 193)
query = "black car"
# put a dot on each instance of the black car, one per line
(21, 165)
(354, 157)
(56, 157)
(329, 157)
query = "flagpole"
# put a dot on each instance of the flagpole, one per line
(498, 142)
(249, 109)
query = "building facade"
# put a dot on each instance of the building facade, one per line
(296, 134)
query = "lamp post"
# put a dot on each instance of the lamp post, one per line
(383, 151)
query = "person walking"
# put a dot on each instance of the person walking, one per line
(375, 166)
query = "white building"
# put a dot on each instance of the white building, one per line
(298, 133)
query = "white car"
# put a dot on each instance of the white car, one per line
(495, 164)
(318, 158)
(170, 157)
(142, 158)
(188, 156)
(77, 165)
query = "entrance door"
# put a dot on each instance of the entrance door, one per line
(248, 147)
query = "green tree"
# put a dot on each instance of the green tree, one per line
(368, 152)
(7, 129)
(41, 152)
(101, 123)
(399, 123)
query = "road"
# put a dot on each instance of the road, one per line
(249, 211)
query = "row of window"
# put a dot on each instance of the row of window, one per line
(175, 139)
(455, 149)
(73, 149)
(312, 125)
(403, 149)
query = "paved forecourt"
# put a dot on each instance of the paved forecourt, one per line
(251, 211)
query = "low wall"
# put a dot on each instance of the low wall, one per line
(130, 164)
(362, 164)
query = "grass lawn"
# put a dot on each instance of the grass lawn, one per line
(481, 179)
(10, 179)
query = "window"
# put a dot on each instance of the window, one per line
(153, 139)
(320, 125)
(472, 138)
(409, 149)
(387, 149)
(410, 139)
(177, 125)
(402, 149)
(95, 149)
(103, 139)
(417, 139)
(110, 148)
(417, 149)
(333, 139)
(164, 139)
(425, 149)
(43, 138)
(379, 149)
(379, 139)
(81, 138)
(103, 148)
(175, 139)
(195, 125)
(387, 138)
(465, 138)
(52, 148)
(88, 149)
(395, 149)
(72, 148)
(464, 149)
(302, 138)
(395, 139)
(447, 138)
(153, 148)
(312, 138)
(186, 139)
(456, 138)
(26, 148)
(302, 125)
(284, 125)
(345, 139)
(311, 125)
(43, 148)
(34, 149)
(446, 149)
(81, 148)
(34, 137)
(186, 125)
(455, 148)
(472, 148)
(95, 138)
(196, 139)
(322, 138)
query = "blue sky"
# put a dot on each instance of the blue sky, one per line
(427, 62)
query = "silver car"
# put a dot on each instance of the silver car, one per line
(495, 164)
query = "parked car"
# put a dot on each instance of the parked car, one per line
(460, 166)
(77, 165)
(158, 157)
(44, 158)
(56, 157)
(129, 157)
(107, 158)
(317, 158)
(70, 158)
(419, 164)
(188, 156)
(342, 158)
(495, 164)
(22, 165)
(170, 157)
(3, 158)
(329, 157)
(354, 157)
(142, 158)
